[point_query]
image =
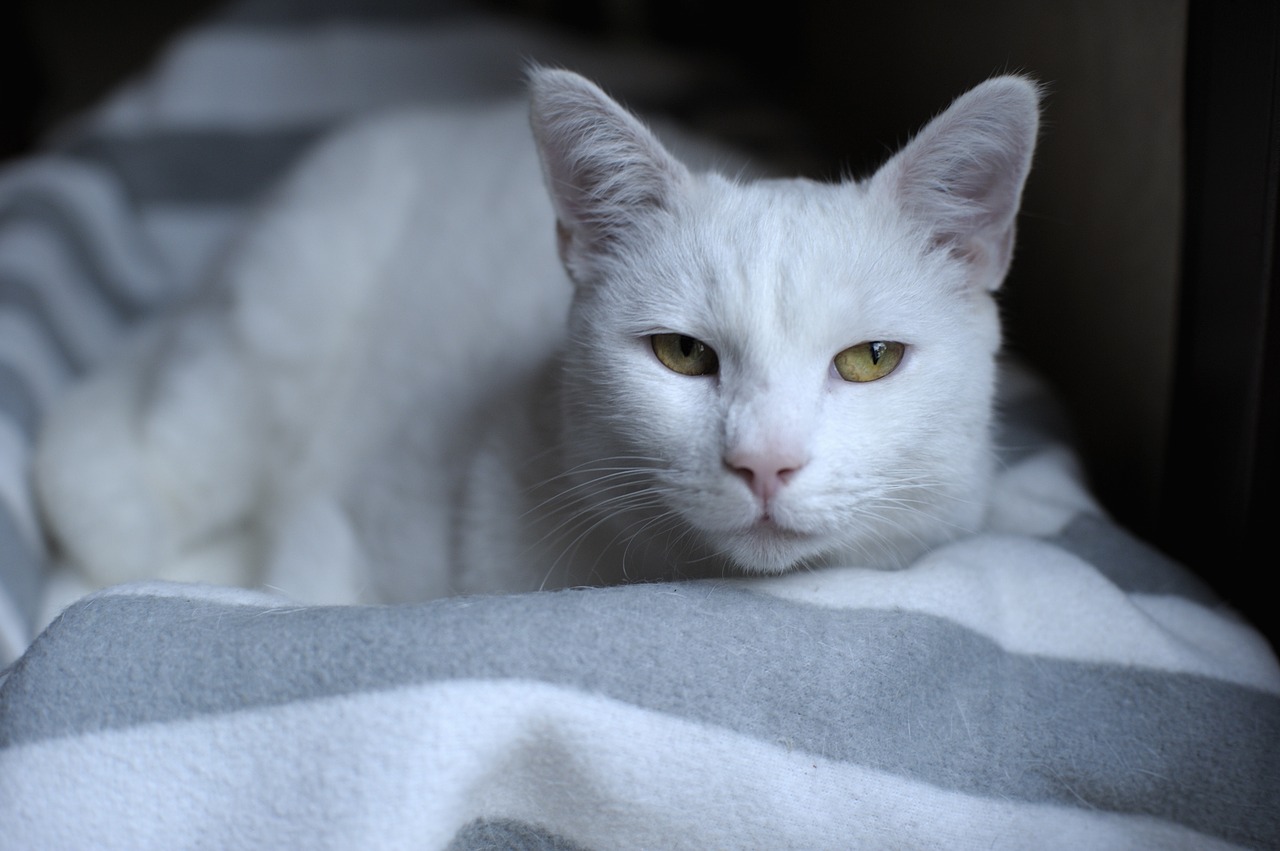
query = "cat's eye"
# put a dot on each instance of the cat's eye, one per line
(870, 360)
(685, 355)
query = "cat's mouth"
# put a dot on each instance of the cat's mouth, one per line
(768, 526)
(769, 546)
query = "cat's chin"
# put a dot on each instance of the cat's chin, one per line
(768, 548)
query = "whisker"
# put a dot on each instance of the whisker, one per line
(587, 519)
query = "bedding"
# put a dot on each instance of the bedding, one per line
(1051, 683)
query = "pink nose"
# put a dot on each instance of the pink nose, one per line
(764, 472)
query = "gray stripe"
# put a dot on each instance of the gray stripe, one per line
(33, 208)
(295, 13)
(20, 569)
(19, 295)
(1134, 566)
(197, 167)
(18, 402)
(897, 691)
(481, 835)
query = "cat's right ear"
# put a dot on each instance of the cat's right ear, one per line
(607, 174)
(961, 177)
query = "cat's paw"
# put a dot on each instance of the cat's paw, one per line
(91, 476)
(149, 457)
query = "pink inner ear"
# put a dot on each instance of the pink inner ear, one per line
(986, 253)
(961, 177)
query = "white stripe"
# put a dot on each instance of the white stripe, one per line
(1219, 639)
(408, 768)
(1031, 597)
(26, 349)
(1039, 495)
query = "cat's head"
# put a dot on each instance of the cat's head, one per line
(784, 372)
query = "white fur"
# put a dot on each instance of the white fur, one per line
(381, 399)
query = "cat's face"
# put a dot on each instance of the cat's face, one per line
(779, 372)
(759, 442)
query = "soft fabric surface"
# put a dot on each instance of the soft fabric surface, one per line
(1052, 683)
(1004, 692)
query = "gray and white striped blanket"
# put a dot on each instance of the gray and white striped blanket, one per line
(1051, 683)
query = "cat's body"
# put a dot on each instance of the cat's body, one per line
(382, 399)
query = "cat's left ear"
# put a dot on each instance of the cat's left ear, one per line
(607, 174)
(961, 177)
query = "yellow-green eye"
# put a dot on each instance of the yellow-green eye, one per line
(685, 355)
(869, 361)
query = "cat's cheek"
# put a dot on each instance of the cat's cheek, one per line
(661, 415)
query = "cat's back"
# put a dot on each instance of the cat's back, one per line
(405, 270)
(436, 205)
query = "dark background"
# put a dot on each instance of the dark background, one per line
(1145, 273)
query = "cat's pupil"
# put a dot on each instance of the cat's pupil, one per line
(688, 345)
(877, 351)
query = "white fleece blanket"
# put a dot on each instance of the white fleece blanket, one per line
(1053, 683)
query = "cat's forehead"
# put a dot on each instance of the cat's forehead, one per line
(800, 256)
(776, 205)
(784, 224)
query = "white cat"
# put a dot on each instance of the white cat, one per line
(382, 400)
